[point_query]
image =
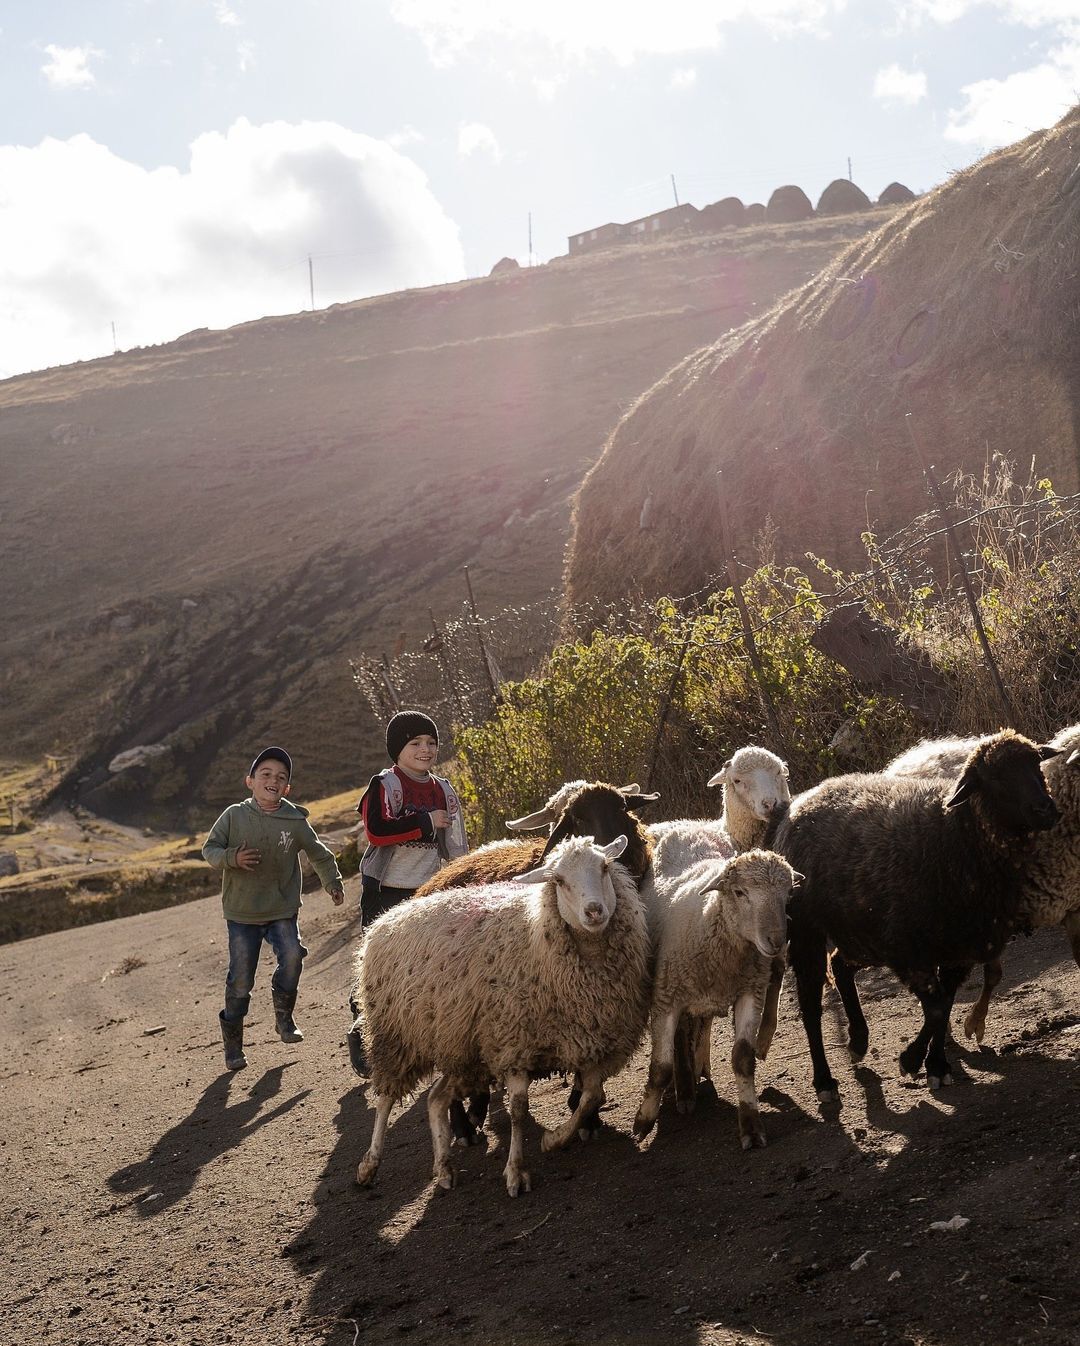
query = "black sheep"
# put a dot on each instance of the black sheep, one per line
(914, 875)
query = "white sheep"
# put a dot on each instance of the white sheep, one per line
(756, 793)
(1051, 890)
(724, 922)
(506, 982)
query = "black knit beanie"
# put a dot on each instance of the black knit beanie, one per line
(278, 754)
(407, 725)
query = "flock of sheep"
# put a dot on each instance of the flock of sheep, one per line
(553, 955)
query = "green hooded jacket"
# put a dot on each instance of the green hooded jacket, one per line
(272, 891)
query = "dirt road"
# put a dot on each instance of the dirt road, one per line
(149, 1197)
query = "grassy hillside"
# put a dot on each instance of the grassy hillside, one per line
(197, 536)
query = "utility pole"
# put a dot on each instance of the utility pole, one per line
(674, 189)
(115, 347)
(849, 168)
(530, 238)
(311, 282)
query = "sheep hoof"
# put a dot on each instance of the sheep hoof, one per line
(366, 1170)
(686, 1105)
(518, 1182)
(445, 1176)
(937, 1082)
(643, 1125)
(974, 1028)
(829, 1095)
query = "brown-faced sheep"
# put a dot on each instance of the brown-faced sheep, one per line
(910, 875)
(1051, 890)
(506, 981)
(724, 923)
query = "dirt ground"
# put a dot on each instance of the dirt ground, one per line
(150, 1197)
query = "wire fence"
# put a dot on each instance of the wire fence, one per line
(832, 670)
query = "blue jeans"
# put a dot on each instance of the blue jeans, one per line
(245, 945)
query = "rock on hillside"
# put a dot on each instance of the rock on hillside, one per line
(960, 308)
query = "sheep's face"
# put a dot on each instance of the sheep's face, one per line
(1005, 773)
(756, 887)
(580, 872)
(758, 780)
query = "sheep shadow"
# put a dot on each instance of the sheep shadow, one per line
(218, 1122)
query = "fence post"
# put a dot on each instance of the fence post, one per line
(666, 708)
(946, 519)
(439, 650)
(484, 657)
(748, 631)
(391, 690)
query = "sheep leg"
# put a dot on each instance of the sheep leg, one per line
(703, 1048)
(858, 1032)
(684, 1062)
(808, 960)
(770, 1012)
(661, 1069)
(478, 1109)
(517, 1091)
(1071, 924)
(592, 1099)
(747, 1016)
(440, 1096)
(975, 1022)
(369, 1165)
(935, 992)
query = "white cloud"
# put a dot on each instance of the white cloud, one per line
(623, 31)
(548, 87)
(405, 135)
(227, 17)
(1030, 13)
(87, 238)
(684, 78)
(245, 56)
(475, 138)
(895, 86)
(998, 111)
(69, 67)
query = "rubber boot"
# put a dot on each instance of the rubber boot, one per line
(283, 1008)
(232, 1034)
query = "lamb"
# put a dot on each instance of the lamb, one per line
(1051, 892)
(724, 923)
(756, 795)
(912, 875)
(503, 981)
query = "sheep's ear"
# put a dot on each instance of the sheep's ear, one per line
(565, 829)
(1073, 758)
(635, 801)
(1047, 750)
(721, 775)
(966, 786)
(615, 848)
(543, 818)
(628, 789)
(538, 875)
(797, 878)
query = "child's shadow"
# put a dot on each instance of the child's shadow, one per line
(169, 1171)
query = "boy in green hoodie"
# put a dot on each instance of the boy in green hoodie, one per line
(256, 845)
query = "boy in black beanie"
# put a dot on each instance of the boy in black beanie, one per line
(412, 819)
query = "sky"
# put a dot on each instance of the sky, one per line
(167, 165)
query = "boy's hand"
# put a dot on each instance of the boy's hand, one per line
(338, 895)
(247, 857)
(439, 818)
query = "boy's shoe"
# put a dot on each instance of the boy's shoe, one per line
(283, 1008)
(232, 1034)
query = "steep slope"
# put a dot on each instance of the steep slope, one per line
(197, 536)
(961, 309)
